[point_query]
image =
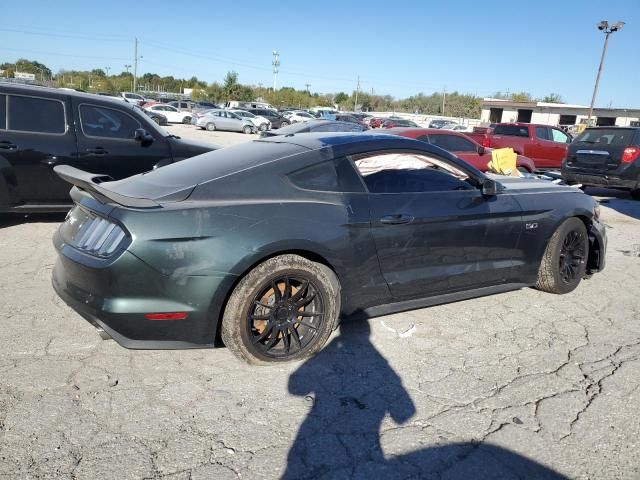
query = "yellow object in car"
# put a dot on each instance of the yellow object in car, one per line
(503, 162)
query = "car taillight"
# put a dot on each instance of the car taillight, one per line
(630, 154)
(486, 141)
(93, 234)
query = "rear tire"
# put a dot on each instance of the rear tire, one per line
(635, 194)
(261, 327)
(284, 124)
(564, 261)
(210, 126)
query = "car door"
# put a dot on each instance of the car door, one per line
(560, 147)
(545, 149)
(461, 147)
(434, 231)
(234, 122)
(173, 114)
(37, 134)
(106, 141)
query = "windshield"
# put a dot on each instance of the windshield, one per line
(606, 136)
(242, 113)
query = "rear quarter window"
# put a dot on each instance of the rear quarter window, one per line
(606, 136)
(511, 130)
(330, 176)
(38, 115)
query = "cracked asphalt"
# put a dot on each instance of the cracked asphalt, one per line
(518, 385)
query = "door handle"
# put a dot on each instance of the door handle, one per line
(6, 145)
(97, 151)
(397, 219)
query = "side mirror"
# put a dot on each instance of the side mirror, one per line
(142, 136)
(489, 188)
(481, 150)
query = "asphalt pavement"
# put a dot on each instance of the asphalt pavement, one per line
(517, 385)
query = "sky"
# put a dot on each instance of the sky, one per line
(398, 48)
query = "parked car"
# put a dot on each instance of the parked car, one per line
(376, 122)
(244, 105)
(606, 157)
(155, 116)
(461, 146)
(172, 113)
(44, 127)
(217, 119)
(342, 117)
(298, 116)
(546, 145)
(273, 238)
(441, 123)
(315, 126)
(259, 122)
(398, 122)
(133, 98)
(191, 106)
(273, 116)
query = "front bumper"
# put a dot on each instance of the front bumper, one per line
(116, 295)
(597, 247)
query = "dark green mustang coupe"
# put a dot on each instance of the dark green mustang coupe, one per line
(266, 246)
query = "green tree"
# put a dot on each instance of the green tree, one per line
(552, 98)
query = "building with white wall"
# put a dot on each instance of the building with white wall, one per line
(495, 110)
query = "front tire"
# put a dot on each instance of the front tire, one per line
(247, 129)
(564, 261)
(635, 194)
(282, 310)
(186, 121)
(284, 124)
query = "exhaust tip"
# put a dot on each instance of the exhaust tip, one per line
(103, 334)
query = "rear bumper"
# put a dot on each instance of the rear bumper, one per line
(116, 296)
(597, 180)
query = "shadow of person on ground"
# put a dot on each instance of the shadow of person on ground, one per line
(352, 389)
(11, 219)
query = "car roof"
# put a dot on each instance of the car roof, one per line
(60, 93)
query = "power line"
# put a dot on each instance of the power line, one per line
(65, 35)
(40, 52)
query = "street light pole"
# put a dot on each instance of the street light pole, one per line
(604, 27)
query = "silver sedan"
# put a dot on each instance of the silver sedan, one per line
(224, 120)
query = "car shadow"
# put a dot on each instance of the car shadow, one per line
(618, 200)
(11, 219)
(352, 388)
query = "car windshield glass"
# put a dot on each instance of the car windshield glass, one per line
(512, 130)
(606, 136)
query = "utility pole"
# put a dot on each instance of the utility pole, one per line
(108, 69)
(276, 65)
(355, 103)
(135, 64)
(604, 27)
(444, 96)
(308, 85)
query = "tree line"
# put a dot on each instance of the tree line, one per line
(453, 104)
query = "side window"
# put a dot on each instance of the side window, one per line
(107, 122)
(330, 176)
(558, 136)
(407, 172)
(29, 114)
(452, 143)
(542, 133)
(3, 112)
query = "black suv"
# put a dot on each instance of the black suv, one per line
(43, 127)
(274, 117)
(606, 157)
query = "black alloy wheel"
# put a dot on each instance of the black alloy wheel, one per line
(285, 316)
(572, 256)
(284, 309)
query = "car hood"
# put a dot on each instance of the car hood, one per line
(531, 185)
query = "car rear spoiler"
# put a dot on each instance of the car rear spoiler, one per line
(91, 182)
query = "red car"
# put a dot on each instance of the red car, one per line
(376, 122)
(460, 145)
(544, 144)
